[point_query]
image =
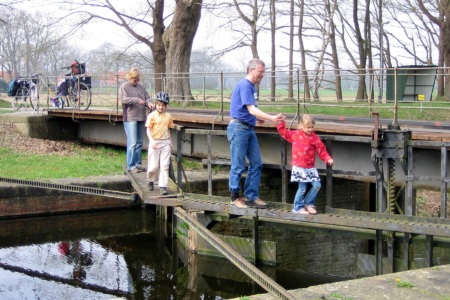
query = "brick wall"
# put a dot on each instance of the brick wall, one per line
(16, 200)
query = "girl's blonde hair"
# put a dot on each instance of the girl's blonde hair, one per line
(307, 119)
(133, 73)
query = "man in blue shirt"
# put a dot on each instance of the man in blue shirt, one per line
(243, 141)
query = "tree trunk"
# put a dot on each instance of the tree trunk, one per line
(334, 55)
(302, 51)
(157, 47)
(273, 85)
(362, 50)
(291, 53)
(178, 41)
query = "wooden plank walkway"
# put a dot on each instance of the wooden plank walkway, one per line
(279, 212)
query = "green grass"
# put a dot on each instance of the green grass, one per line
(336, 295)
(405, 284)
(5, 104)
(191, 164)
(88, 161)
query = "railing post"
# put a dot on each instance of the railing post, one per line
(379, 252)
(255, 239)
(429, 251)
(284, 179)
(304, 93)
(443, 212)
(395, 122)
(208, 138)
(329, 175)
(409, 192)
(221, 95)
(117, 97)
(298, 95)
(179, 164)
(204, 92)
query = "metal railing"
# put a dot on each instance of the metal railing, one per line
(213, 90)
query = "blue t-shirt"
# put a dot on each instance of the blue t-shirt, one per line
(243, 94)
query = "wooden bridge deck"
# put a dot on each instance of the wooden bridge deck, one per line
(279, 212)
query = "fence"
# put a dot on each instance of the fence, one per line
(312, 91)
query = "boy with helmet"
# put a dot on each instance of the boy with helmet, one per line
(160, 143)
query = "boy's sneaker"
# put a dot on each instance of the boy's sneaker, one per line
(258, 203)
(135, 170)
(239, 203)
(303, 211)
(163, 191)
(141, 168)
(311, 209)
(295, 211)
(261, 203)
(150, 186)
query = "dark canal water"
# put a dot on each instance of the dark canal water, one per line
(127, 254)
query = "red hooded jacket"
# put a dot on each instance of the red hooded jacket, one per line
(304, 147)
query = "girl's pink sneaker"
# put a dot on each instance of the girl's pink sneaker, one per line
(302, 211)
(311, 210)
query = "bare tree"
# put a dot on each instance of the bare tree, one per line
(273, 52)
(328, 14)
(178, 39)
(303, 50)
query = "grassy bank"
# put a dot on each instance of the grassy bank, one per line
(84, 161)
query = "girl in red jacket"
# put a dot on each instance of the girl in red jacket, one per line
(305, 143)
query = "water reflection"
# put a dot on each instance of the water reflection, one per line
(128, 254)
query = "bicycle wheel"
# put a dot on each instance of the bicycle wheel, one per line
(20, 98)
(85, 96)
(34, 97)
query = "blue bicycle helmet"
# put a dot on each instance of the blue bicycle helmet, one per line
(163, 97)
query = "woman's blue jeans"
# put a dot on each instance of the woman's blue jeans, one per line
(135, 138)
(310, 200)
(244, 144)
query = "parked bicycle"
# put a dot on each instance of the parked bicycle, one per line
(75, 93)
(25, 92)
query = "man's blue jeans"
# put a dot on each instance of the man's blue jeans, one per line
(244, 144)
(135, 138)
(310, 199)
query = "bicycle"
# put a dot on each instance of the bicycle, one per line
(27, 92)
(76, 94)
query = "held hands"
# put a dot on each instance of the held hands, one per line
(280, 118)
(153, 145)
(330, 162)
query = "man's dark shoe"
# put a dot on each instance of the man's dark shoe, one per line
(234, 196)
(150, 186)
(258, 203)
(163, 191)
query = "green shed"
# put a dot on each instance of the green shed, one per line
(412, 81)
